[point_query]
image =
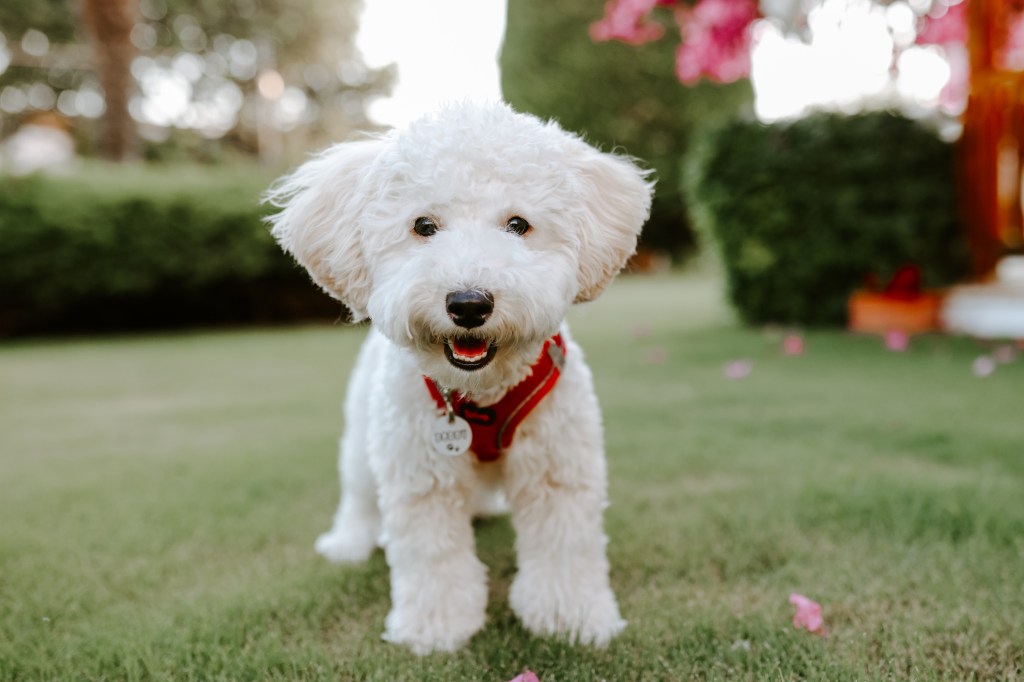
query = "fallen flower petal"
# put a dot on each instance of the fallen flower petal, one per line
(657, 356)
(641, 331)
(983, 366)
(527, 676)
(793, 344)
(1005, 354)
(897, 340)
(808, 614)
(738, 369)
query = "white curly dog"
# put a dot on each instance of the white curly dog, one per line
(465, 238)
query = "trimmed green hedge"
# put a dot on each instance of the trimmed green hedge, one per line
(804, 212)
(130, 248)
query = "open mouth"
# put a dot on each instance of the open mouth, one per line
(469, 353)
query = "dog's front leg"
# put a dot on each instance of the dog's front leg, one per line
(438, 586)
(562, 587)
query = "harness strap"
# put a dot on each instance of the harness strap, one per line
(495, 425)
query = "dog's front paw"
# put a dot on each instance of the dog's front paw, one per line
(438, 607)
(574, 610)
(438, 629)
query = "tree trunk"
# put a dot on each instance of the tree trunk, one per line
(109, 24)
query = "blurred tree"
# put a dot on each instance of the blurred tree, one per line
(619, 96)
(295, 62)
(109, 24)
(49, 16)
(205, 74)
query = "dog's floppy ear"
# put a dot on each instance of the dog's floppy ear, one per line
(321, 204)
(616, 203)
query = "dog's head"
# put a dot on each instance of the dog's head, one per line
(465, 237)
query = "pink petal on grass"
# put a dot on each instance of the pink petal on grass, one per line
(657, 356)
(528, 676)
(983, 366)
(808, 614)
(1004, 354)
(738, 369)
(793, 344)
(896, 340)
(640, 331)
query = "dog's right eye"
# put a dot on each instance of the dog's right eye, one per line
(517, 225)
(424, 227)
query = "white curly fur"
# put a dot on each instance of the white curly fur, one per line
(347, 215)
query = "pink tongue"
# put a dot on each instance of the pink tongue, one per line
(469, 348)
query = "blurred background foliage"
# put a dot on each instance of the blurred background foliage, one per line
(134, 247)
(229, 92)
(804, 212)
(233, 91)
(268, 77)
(54, 18)
(619, 96)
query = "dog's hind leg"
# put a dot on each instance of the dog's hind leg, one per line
(489, 496)
(355, 532)
(356, 528)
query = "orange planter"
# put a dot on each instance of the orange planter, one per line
(876, 313)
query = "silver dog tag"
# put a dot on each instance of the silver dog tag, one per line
(450, 435)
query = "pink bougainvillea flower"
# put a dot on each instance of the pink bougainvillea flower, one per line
(628, 21)
(896, 340)
(950, 32)
(954, 96)
(793, 344)
(949, 27)
(716, 40)
(528, 676)
(808, 614)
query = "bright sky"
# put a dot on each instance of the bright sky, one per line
(445, 50)
(448, 49)
(846, 62)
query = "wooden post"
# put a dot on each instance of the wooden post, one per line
(992, 145)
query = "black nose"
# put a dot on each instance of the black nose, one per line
(469, 309)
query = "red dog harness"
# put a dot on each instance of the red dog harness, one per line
(494, 425)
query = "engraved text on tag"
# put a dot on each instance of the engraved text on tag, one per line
(450, 437)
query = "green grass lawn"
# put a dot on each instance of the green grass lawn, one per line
(159, 498)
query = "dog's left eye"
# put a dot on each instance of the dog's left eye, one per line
(424, 227)
(517, 225)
